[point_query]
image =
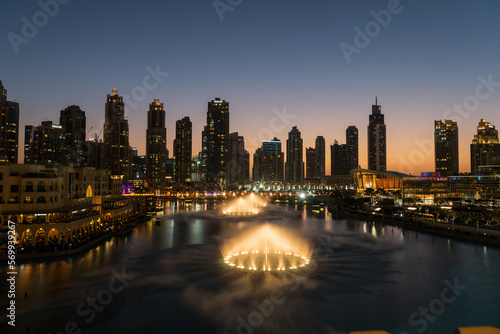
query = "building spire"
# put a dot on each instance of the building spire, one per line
(376, 103)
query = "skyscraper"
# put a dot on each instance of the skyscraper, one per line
(485, 147)
(268, 162)
(9, 128)
(93, 153)
(257, 162)
(310, 163)
(217, 132)
(319, 157)
(139, 164)
(116, 148)
(73, 121)
(338, 154)
(377, 151)
(29, 132)
(344, 157)
(352, 143)
(446, 147)
(156, 145)
(183, 150)
(203, 155)
(48, 145)
(239, 160)
(294, 166)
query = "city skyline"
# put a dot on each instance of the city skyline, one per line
(236, 166)
(418, 72)
(465, 165)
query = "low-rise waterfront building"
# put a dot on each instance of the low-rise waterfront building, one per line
(60, 205)
(433, 188)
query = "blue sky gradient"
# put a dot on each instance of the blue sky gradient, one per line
(264, 56)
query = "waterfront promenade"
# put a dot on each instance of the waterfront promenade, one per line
(465, 232)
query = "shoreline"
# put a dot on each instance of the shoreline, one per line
(88, 246)
(460, 232)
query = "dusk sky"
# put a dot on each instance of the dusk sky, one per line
(264, 58)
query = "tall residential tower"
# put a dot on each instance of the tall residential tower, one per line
(239, 160)
(156, 146)
(9, 128)
(446, 147)
(183, 150)
(116, 148)
(73, 121)
(294, 166)
(377, 141)
(268, 162)
(485, 147)
(217, 136)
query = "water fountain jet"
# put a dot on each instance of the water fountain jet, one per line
(266, 248)
(247, 206)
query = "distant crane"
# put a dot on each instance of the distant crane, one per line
(100, 132)
(89, 131)
(95, 134)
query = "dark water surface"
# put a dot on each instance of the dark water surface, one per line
(167, 277)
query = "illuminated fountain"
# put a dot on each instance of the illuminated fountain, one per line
(248, 206)
(266, 248)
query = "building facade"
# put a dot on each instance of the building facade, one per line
(29, 133)
(268, 162)
(338, 156)
(485, 147)
(239, 160)
(310, 163)
(352, 147)
(93, 149)
(156, 145)
(377, 141)
(60, 207)
(183, 150)
(73, 121)
(319, 158)
(9, 128)
(138, 176)
(116, 148)
(446, 147)
(49, 145)
(345, 157)
(217, 137)
(294, 166)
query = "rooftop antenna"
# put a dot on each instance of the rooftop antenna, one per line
(376, 103)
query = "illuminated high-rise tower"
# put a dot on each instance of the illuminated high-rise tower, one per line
(217, 136)
(294, 166)
(116, 148)
(485, 147)
(156, 146)
(268, 162)
(446, 147)
(377, 142)
(183, 150)
(48, 145)
(315, 160)
(73, 121)
(239, 160)
(9, 128)
(310, 163)
(29, 133)
(352, 148)
(319, 157)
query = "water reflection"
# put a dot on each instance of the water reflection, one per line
(176, 257)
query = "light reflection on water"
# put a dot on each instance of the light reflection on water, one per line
(404, 278)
